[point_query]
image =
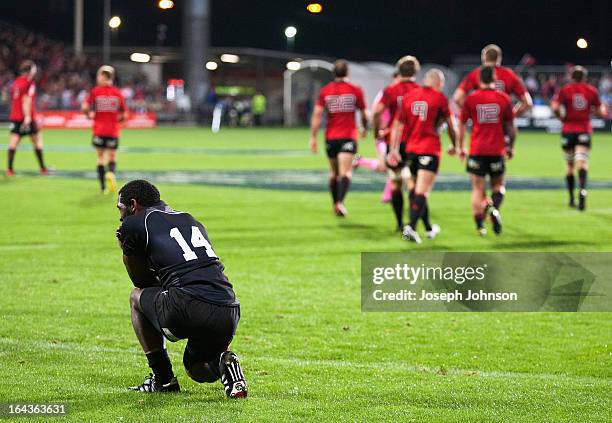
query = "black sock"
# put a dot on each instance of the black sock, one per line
(479, 219)
(111, 166)
(39, 156)
(416, 209)
(582, 178)
(497, 198)
(11, 158)
(101, 176)
(425, 216)
(343, 187)
(333, 189)
(397, 201)
(160, 363)
(570, 181)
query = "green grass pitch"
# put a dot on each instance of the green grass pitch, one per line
(308, 351)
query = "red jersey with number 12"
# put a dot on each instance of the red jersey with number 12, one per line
(488, 109)
(422, 112)
(107, 103)
(341, 100)
(578, 98)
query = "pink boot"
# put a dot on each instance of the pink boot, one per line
(387, 191)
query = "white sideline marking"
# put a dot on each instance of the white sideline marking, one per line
(393, 366)
(27, 247)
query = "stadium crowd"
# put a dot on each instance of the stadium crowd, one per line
(65, 78)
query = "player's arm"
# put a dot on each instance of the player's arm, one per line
(365, 121)
(555, 105)
(140, 274)
(123, 116)
(450, 128)
(86, 108)
(379, 108)
(509, 133)
(601, 111)
(26, 107)
(524, 104)
(459, 96)
(315, 125)
(397, 129)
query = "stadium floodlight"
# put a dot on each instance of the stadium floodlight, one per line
(165, 4)
(582, 43)
(290, 32)
(230, 58)
(140, 57)
(114, 22)
(211, 65)
(314, 8)
(293, 65)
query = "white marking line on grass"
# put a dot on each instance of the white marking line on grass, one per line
(394, 366)
(27, 247)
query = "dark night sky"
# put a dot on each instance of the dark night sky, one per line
(356, 29)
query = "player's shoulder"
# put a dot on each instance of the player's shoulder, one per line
(353, 87)
(506, 71)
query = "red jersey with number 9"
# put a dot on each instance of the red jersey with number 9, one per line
(422, 112)
(578, 98)
(107, 103)
(488, 109)
(341, 100)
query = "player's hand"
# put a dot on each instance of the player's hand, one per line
(314, 147)
(364, 132)
(91, 115)
(118, 235)
(393, 158)
(452, 150)
(509, 153)
(462, 154)
(27, 121)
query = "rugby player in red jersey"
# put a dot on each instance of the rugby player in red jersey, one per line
(420, 115)
(573, 105)
(341, 100)
(391, 100)
(106, 106)
(505, 81)
(492, 123)
(23, 115)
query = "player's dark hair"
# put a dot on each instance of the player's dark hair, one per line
(408, 66)
(26, 66)
(578, 73)
(144, 192)
(487, 74)
(340, 68)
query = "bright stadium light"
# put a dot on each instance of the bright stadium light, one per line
(211, 66)
(165, 4)
(114, 22)
(140, 57)
(314, 8)
(290, 32)
(230, 58)
(293, 65)
(582, 43)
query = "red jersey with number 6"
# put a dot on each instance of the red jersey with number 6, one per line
(489, 110)
(341, 100)
(108, 104)
(22, 87)
(505, 81)
(579, 99)
(422, 112)
(392, 99)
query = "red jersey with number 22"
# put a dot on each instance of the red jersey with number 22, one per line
(107, 103)
(392, 99)
(341, 100)
(578, 99)
(422, 112)
(488, 109)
